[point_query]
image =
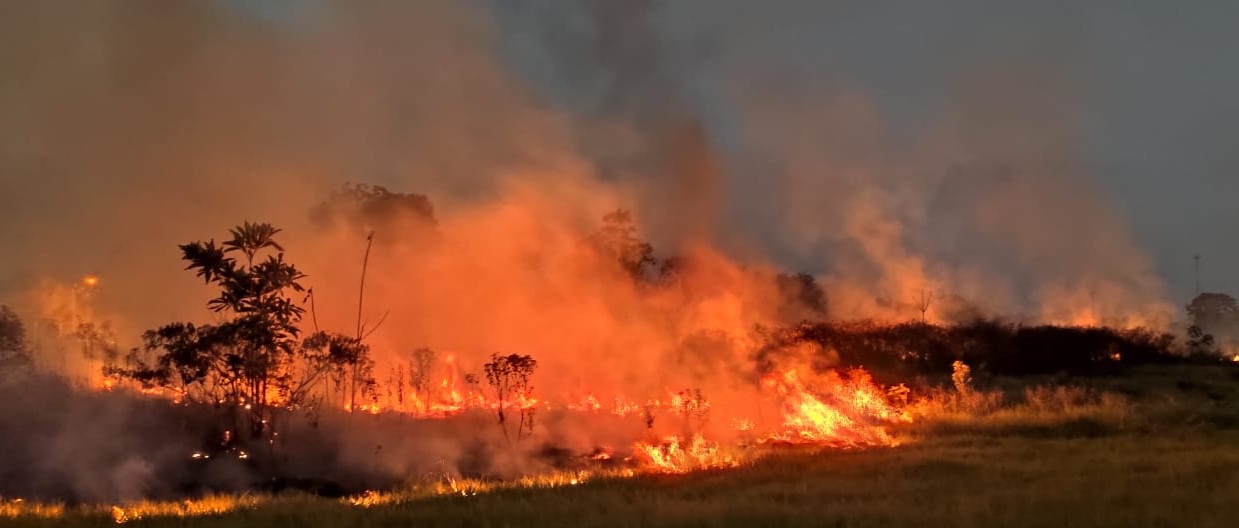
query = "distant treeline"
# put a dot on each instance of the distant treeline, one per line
(902, 351)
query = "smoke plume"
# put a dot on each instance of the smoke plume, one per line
(135, 126)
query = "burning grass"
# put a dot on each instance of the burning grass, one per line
(1164, 450)
(21, 511)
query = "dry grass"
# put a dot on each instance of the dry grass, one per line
(21, 508)
(1042, 409)
(205, 506)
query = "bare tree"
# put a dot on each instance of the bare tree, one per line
(923, 302)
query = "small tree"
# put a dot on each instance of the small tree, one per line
(1209, 308)
(802, 297)
(509, 377)
(98, 342)
(14, 352)
(923, 302)
(420, 368)
(372, 208)
(1216, 314)
(693, 406)
(617, 239)
(1199, 343)
(255, 361)
(395, 385)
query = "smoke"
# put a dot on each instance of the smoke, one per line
(136, 126)
(171, 122)
(168, 123)
(811, 154)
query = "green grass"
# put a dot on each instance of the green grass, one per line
(1164, 454)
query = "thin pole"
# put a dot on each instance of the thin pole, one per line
(365, 262)
(361, 293)
(1197, 260)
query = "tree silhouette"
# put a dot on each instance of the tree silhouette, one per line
(923, 302)
(1216, 314)
(1200, 343)
(420, 368)
(371, 208)
(509, 377)
(13, 346)
(255, 361)
(694, 408)
(1211, 308)
(618, 240)
(802, 298)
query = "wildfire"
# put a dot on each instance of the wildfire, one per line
(370, 498)
(838, 411)
(211, 505)
(672, 455)
(20, 508)
(831, 408)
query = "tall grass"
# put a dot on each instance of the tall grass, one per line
(1040, 409)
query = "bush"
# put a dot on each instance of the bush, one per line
(904, 351)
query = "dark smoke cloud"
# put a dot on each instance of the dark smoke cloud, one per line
(610, 65)
(824, 122)
(1148, 116)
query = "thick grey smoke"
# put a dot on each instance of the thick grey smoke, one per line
(785, 131)
(879, 147)
(612, 66)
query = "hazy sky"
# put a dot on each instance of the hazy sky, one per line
(1141, 94)
(1159, 83)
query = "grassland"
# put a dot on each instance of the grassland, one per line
(1158, 447)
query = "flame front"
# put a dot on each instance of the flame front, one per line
(843, 411)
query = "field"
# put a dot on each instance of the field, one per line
(1155, 447)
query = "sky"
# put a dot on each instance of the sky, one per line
(1158, 82)
(1026, 116)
